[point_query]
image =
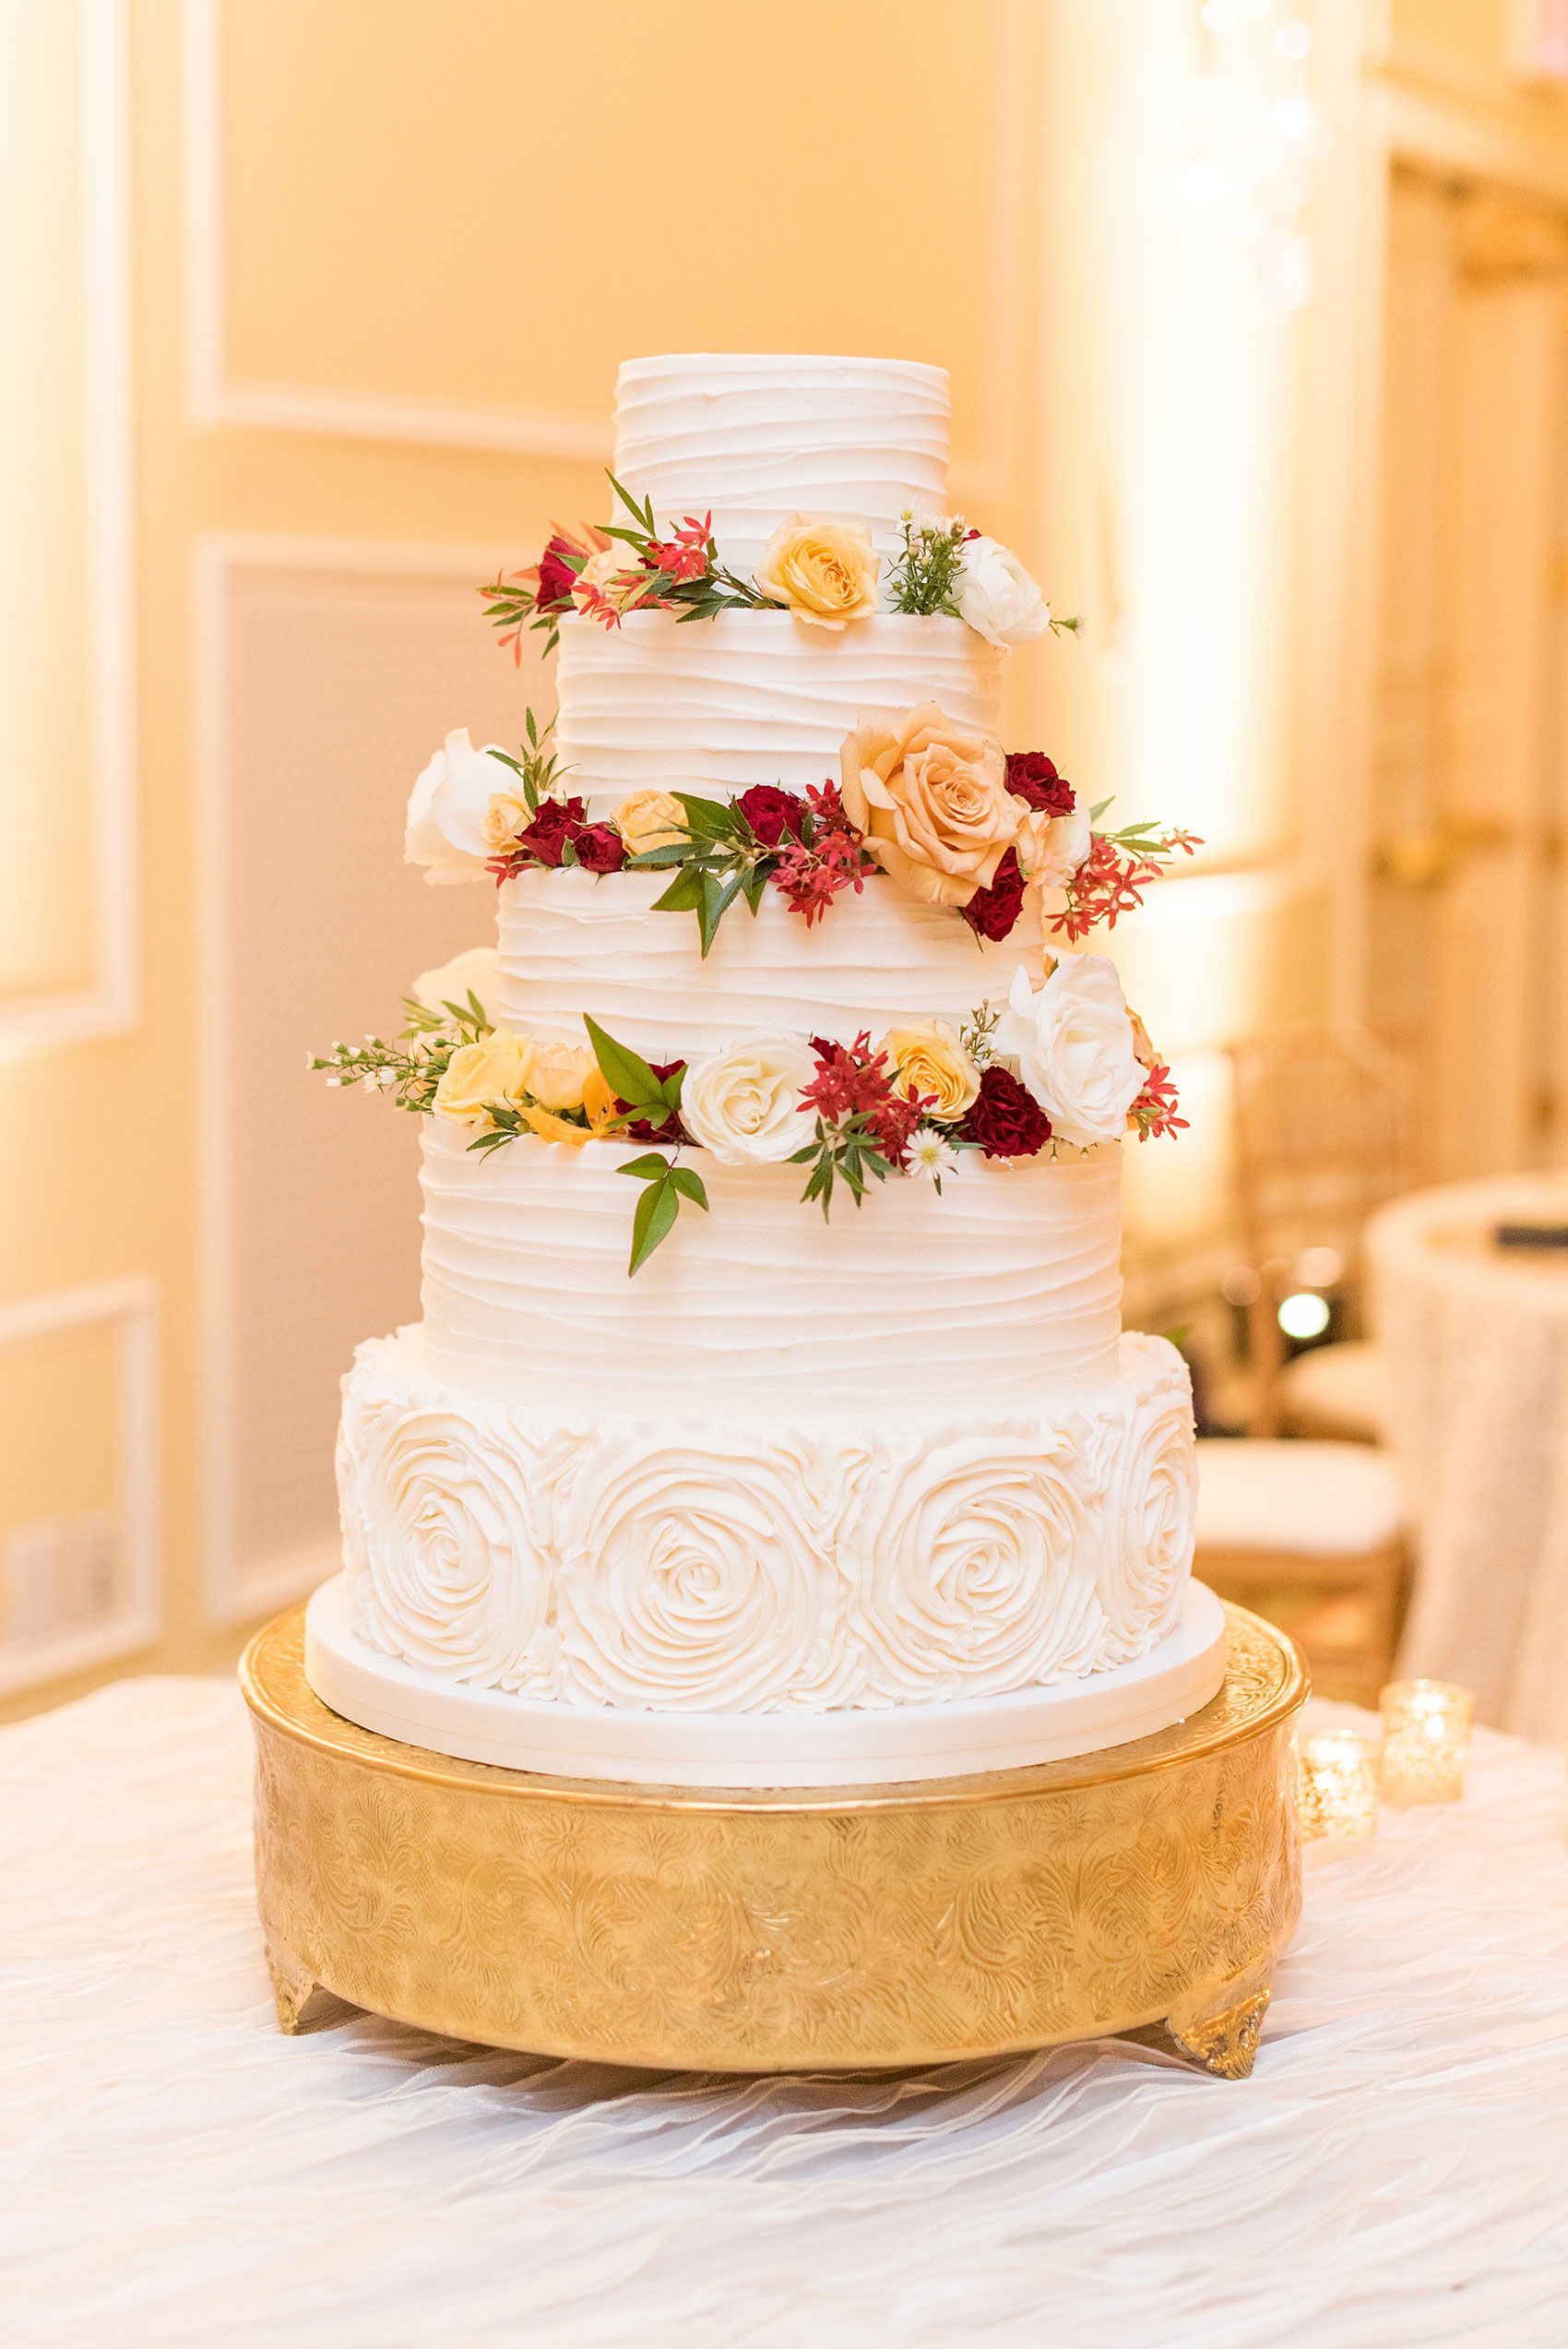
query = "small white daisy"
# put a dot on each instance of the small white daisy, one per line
(932, 1155)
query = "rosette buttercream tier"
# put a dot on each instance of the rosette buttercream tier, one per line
(713, 706)
(1005, 1289)
(677, 1564)
(572, 943)
(755, 437)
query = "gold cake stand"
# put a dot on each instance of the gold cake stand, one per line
(1149, 1888)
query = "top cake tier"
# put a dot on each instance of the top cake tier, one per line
(757, 438)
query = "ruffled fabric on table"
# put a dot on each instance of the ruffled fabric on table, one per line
(177, 2172)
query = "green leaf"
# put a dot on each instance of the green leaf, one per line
(713, 813)
(684, 894)
(755, 881)
(649, 1168)
(717, 896)
(569, 854)
(654, 1220)
(670, 1087)
(625, 1071)
(690, 1184)
(1096, 813)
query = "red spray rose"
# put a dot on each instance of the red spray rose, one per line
(556, 576)
(771, 812)
(557, 822)
(993, 912)
(599, 847)
(1004, 1118)
(1032, 777)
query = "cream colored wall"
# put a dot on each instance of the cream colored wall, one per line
(435, 232)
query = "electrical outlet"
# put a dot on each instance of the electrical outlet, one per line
(59, 1574)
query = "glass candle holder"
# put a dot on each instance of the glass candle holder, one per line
(1426, 1737)
(1338, 1784)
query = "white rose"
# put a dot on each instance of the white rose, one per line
(1075, 1048)
(476, 973)
(1060, 846)
(447, 807)
(743, 1104)
(996, 595)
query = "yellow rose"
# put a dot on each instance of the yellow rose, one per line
(504, 818)
(932, 1061)
(493, 1069)
(650, 820)
(932, 798)
(826, 572)
(557, 1074)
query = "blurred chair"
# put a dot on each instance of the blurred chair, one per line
(1321, 1128)
(1308, 1534)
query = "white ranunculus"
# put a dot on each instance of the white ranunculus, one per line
(971, 1566)
(1074, 1044)
(743, 1104)
(997, 596)
(1061, 845)
(476, 973)
(447, 807)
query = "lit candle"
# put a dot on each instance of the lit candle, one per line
(1426, 1735)
(1338, 1782)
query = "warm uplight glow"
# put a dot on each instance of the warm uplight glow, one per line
(1303, 1315)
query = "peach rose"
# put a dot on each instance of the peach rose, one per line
(826, 572)
(493, 1069)
(930, 1058)
(558, 1073)
(507, 814)
(649, 820)
(932, 798)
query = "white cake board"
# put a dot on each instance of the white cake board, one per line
(889, 1744)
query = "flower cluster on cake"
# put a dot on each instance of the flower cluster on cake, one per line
(784, 927)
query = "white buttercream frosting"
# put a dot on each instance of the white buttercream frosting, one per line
(677, 1565)
(1005, 1289)
(755, 438)
(572, 942)
(714, 706)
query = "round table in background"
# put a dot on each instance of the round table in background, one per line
(1476, 1341)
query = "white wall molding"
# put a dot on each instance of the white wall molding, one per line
(109, 1005)
(132, 1307)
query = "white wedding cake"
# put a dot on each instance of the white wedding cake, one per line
(683, 1476)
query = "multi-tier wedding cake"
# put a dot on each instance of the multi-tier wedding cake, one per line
(770, 1419)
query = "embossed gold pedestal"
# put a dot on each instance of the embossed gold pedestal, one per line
(1149, 1888)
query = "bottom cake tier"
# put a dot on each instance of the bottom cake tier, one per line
(684, 1566)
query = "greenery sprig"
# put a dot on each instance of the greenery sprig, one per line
(845, 1150)
(925, 578)
(655, 1099)
(538, 767)
(412, 1065)
(721, 860)
(685, 571)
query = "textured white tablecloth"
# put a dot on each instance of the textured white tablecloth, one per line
(1475, 1343)
(173, 2171)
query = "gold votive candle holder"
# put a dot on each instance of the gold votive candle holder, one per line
(1338, 1784)
(1426, 1737)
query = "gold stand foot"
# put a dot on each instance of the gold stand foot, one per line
(299, 2000)
(1225, 2043)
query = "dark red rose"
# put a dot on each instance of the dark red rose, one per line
(557, 822)
(1005, 1119)
(599, 847)
(993, 912)
(771, 812)
(643, 1131)
(556, 577)
(1032, 777)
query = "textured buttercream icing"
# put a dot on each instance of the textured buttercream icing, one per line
(678, 1566)
(572, 943)
(716, 706)
(753, 438)
(1005, 1289)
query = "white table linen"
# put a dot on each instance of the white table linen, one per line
(173, 2171)
(1476, 1345)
